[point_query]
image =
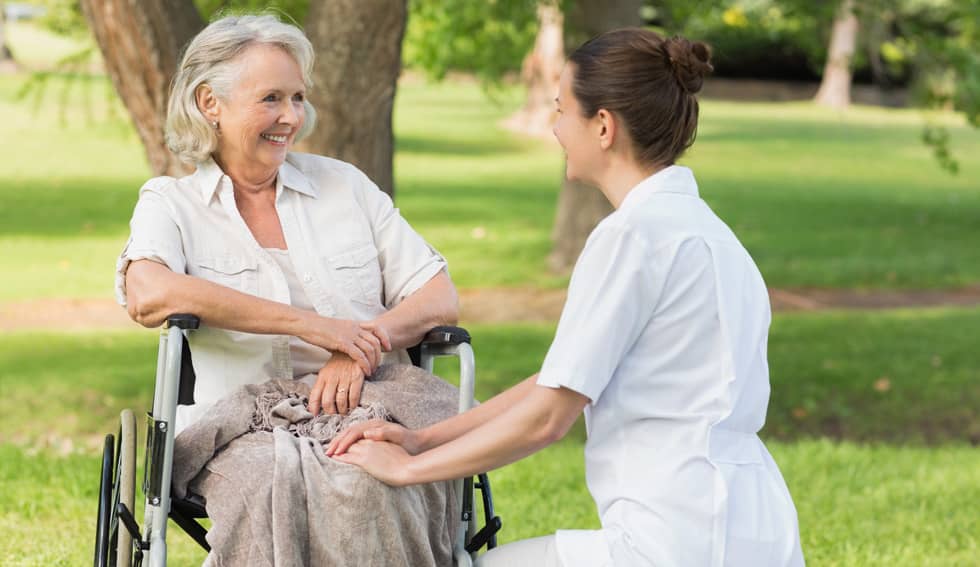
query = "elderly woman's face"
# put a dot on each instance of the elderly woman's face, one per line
(260, 118)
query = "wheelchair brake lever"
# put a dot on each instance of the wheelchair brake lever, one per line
(483, 536)
(129, 521)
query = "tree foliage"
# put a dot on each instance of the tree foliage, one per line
(937, 40)
(488, 38)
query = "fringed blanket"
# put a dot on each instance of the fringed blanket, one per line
(275, 499)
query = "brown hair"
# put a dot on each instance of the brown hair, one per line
(650, 82)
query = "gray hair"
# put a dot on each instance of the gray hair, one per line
(209, 59)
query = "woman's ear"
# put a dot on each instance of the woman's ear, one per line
(607, 128)
(207, 103)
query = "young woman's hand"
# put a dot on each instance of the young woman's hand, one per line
(384, 461)
(375, 430)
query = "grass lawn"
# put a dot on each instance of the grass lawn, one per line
(858, 505)
(861, 501)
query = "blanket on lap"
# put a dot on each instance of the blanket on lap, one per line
(274, 498)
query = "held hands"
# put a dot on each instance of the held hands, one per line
(381, 448)
(362, 342)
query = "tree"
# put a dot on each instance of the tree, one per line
(539, 72)
(580, 206)
(835, 85)
(141, 42)
(358, 46)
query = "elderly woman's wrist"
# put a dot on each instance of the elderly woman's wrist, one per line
(301, 323)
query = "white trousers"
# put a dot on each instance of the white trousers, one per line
(534, 552)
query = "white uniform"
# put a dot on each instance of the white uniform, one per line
(665, 331)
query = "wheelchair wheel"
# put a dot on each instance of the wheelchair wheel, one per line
(117, 485)
(125, 488)
(105, 504)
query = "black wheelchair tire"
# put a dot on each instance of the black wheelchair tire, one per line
(105, 503)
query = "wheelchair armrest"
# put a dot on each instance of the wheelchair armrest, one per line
(446, 335)
(184, 321)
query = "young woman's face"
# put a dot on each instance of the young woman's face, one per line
(260, 118)
(575, 132)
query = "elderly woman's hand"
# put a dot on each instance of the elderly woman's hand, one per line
(376, 430)
(338, 386)
(344, 336)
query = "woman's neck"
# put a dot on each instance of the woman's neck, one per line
(248, 180)
(621, 177)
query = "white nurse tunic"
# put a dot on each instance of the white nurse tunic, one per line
(665, 331)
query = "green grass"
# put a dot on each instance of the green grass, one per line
(831, 200)
(861, 502)
(858, 504)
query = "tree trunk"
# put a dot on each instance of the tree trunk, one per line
(358, 45)
(540, 71)
(835, 86)
(581, 207)
(7, 63)
(141, 41)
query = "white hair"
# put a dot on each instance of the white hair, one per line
(210, 60)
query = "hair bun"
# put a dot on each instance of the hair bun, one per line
(690, 62)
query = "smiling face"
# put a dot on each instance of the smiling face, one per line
(577, 134)
(259, 119)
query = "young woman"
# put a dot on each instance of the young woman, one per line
(662, 342)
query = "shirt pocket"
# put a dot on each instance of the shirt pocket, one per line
(230, 270)
(358, 274)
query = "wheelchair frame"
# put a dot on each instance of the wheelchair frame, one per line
(119, 541)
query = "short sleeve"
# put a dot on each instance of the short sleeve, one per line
(154, 235)
(611, 297)
(407, 261)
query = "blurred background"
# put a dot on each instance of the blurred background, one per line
(838, 139)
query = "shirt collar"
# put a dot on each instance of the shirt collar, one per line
(209, 175)
(671, 179)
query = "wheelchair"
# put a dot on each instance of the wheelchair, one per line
(119, 541)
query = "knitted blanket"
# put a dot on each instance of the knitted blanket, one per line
(275, 499)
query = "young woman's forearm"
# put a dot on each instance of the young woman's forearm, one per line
(435, 303)
(456, 426)
(540, 418)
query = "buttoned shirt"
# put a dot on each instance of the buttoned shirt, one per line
(353, 252)
(665, 331)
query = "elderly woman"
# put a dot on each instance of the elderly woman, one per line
(297, 265)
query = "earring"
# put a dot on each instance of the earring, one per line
(214, 124)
